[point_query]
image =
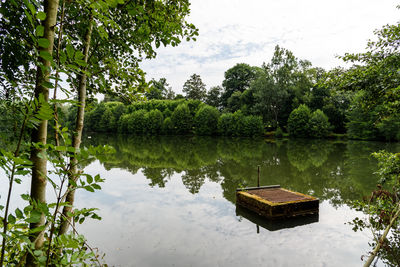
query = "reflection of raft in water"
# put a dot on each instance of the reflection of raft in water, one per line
(276, 202)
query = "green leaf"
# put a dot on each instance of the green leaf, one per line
(45, 55)
(19, 214)
(11, 219)
(43, 42)
(39, 31)
(89, 188)
(41, 15)
(70, 51)
(96, 186)
(25, 197)
(89, 179)
(63, 57)
(34, 217)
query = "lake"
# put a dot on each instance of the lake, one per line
(170, 201)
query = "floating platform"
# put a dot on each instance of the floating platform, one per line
(276, 202)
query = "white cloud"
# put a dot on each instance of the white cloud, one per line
(233, 31)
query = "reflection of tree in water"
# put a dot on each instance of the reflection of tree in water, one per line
(331, 170)
(158, 176)
(303, 154)
(193, 180)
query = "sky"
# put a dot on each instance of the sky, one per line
(237, 31)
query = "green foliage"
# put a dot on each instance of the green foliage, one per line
(252, 126)
(237, 78)
(154, 122)
(319, 124)
(213, 97)
(137, 122)
(206, 121)
(383, 207)
(234, 102)
(168, 126)
(182, 120)
(237, 124)
(194, 88)
(226, 124)
(279, 132)
(299, 121)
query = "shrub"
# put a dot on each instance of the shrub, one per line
(168, 127)
(206, 121)
(253, 126)
(298, 122)
(107, 122)
(154, 121)
(182, 120)
(123, 123)
(137, 122)
(167, 113)
(226, 124)
(319, 124)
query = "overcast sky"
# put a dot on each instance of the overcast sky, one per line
(237, 31)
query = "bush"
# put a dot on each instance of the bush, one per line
(226, 124)
(137, 122)
(107, 122)
(299, 120)
(206, 121)
(253, 126)
(123, 123)
(182, 120)
(154, 122)
(319, 124)
(168, 127)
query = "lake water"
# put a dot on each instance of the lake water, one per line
(170, 201)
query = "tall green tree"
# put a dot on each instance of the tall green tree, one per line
(213, 97)
(194, 88)
(237, 78)
(158, 89)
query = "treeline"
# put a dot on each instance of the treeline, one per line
(291, 96)
(169, 117)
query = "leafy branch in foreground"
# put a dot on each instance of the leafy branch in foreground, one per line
(383, 209)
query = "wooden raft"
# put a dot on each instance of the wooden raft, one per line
(276, 202)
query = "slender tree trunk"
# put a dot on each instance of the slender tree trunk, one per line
(76, 142)
(39, 168)
(379, 242)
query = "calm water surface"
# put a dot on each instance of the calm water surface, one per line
(170, 201)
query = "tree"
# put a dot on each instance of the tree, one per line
(100, 45)
(195, 88)
(158, 90)
(213, 97)
(281, 85)
(237, 78)
(374, 75)
(299, 121)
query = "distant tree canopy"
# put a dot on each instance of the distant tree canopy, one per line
(237, 78)
(194, 88)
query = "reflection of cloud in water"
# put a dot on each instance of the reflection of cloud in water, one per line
(170, 226)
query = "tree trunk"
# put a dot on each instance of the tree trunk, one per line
(382, 239)
(76, 142)
(39, 168)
